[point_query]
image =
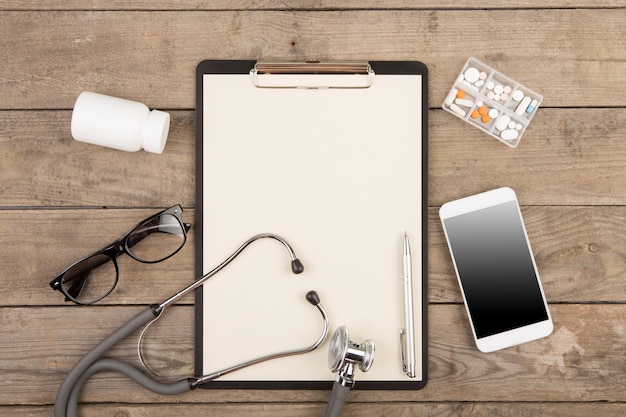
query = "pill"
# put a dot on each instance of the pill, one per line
(493, 113)
(521, 108)
(509, 134)
(479, 83)
(531, 108)
(457, 110)
(503, 122)
(490, 95)
(507, 89)
(504, 96)
(460, 94)
(464, 102)
(475, 114)
(485, 118)
(482, 110)
(471, 75)
(498, 89)
(479, 103)
(518, 126)
(512, 124)
(490, 85)
(450, 96)
(482, 75)
(497, 97)
(518, 95)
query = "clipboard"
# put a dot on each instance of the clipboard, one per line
(332, 157)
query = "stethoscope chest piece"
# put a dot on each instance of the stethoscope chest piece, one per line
(344, 354)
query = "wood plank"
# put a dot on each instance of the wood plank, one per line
(580, 253)
(151, 56)
(401, 409)
(299, 4)
(44, 166)
(583, 360)
(566, 157)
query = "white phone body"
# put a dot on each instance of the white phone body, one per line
(496, 269)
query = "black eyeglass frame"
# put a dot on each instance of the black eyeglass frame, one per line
(119, 247)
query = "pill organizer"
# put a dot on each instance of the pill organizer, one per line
(492, 102)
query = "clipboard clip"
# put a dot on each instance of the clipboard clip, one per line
(313, 74)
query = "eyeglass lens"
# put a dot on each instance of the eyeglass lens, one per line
(90, 280)
(156, 239)
(95, 277)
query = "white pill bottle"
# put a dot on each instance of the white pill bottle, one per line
(119, 123)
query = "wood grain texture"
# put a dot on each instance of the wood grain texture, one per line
(399, 409)
(566, 156)
(580, 253)
(64, 53)
(583, 360)
(295, 4)
(352, 409)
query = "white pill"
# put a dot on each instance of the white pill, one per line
(504, 96)
(507, 89)
(493, 113)
(490, 85)
(498, 89)
(482, 75)
(503, 122)
(490, 95)
(509, 134)
(457, 110)
(464, 102)
(497, 97)
(512, 124)
(521, 108)
(518, 126)
(518, 95)
(471, 75)
(451, 95)
(479, 83)
(479, 103)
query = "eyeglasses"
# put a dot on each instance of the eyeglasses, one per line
(93, 277)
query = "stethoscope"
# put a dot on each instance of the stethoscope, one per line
(345, 353)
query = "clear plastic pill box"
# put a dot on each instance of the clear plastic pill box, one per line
(492, 102)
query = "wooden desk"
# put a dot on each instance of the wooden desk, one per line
(61, 199)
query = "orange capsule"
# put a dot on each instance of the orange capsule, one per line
(460, 94)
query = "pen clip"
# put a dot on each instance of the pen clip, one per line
(402, 351)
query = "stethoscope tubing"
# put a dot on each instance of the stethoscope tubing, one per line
(74, 375)
(171, 388)
(67, 397)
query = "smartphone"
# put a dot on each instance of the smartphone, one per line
(496, 269)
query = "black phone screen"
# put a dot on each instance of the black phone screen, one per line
(496, 269)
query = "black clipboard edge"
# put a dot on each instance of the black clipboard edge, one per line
(244, 67)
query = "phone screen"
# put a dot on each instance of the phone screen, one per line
(496, 269)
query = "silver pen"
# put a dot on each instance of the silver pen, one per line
(407, 336)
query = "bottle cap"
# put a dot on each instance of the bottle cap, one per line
(155, 133)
